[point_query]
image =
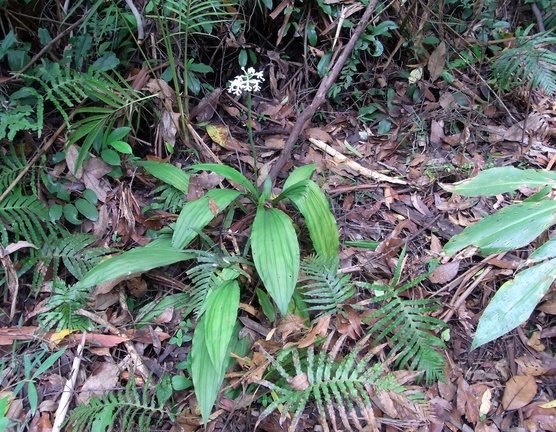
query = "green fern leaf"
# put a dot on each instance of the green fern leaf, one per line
(409, 326)
(323, 287)
(334, 386)
(24, 216)
(124, 411)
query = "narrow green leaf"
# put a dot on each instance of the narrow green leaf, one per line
(266, 305)
(195, 215)
(276, 254)
(510, 228)
(220, 317)
(48, 363)
(168, 173)
(546, 251)
(228, 173)
(32, 397)
(514, 302)
(495, 181)
(133, 261)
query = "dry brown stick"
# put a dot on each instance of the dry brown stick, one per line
(135, 356)
(319, 99)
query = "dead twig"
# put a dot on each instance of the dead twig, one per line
(69, 387)
(137, 360)
(320, 97)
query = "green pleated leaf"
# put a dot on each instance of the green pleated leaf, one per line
(195, 215)
(309, 199)
(495, 181)
(168, 173)
(510, 228)
(133, 261)
(546, 251)
(228, 173)
(207, 379)
(276, 254)
(299, 174)
(220, 317)
(514, 302)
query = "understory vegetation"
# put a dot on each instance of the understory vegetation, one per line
(274, 215)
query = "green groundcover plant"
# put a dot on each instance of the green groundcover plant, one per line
(511, 228)
(274, 246)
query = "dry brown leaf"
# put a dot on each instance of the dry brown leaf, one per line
(437, 61)
(10, 334)
(319, 329)
(292, 324)
(437, 133)
(299, 382)
(520, 391)
(104, 379)
(538, 418)
(469, 399)
(445, 272)
(535, 342)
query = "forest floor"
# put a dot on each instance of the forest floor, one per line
(385, 192)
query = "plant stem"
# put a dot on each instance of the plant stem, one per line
(250, 133)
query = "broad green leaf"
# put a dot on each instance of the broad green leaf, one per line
(133, 261)
(87, 209)
(118, 134)
(514, 302)
(220, 317)
(195, 215)
(510, 228)
(122, 147)
(546, 251)
(228, 173)
(71, 214)
(495, 181)
(168, 173)
(276, 254)
(207, 379)
(299, 174)
(323, 230)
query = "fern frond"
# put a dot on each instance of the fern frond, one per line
(324, 287)
(60, 308)
(24, 216)
(208, 274)
(126, 411)
(530, 63)
(409, 326)
(342, 387)
(73, 250)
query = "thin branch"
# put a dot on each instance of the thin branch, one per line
(320, 97)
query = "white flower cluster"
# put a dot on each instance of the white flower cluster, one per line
(249, 81)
